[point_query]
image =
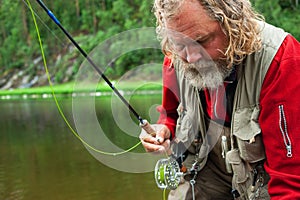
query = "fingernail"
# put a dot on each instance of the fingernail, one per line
(159, 139)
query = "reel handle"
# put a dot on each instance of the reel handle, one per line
(148, 128)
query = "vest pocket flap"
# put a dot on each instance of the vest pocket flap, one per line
(245, 125)
(184, 130)
(248, 134)
(237, 165)
(233, 157)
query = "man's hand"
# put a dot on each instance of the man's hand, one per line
(160, 143)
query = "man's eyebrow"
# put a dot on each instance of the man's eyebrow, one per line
(199, 37)
(180, 39)
(202, 37)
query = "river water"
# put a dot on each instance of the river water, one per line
(40, 158)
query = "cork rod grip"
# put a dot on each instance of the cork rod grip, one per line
(148, 128)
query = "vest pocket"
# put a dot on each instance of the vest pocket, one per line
(242, 177)
(184, 126)
(248, 134)
(251, 150)
(248, 182)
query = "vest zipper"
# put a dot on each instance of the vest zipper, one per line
(284, 132)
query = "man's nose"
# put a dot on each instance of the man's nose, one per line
(193, 55)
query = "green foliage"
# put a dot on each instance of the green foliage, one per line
(11, 32)
(91, 22)
(281, 13)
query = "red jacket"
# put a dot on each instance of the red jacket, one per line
(279, 117)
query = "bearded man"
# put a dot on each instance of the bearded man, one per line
(230, 95)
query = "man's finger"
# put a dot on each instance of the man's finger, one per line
(163, 134)
(150, 147)
(149, 139)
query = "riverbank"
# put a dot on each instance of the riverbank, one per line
(71, 89)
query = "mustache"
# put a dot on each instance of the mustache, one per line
(206, 73)
(207, 66)
(199, 68)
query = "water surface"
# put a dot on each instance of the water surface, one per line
(41, 159)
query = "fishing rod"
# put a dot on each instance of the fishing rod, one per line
(143, 123)
(167, 172)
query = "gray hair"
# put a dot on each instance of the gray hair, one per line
(237, 18)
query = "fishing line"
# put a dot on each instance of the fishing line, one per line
(44, 24)
(144, 124)
(56, 101)
(96, 68)
(164, 194)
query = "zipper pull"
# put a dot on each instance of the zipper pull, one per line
(289, 151)
(224, 146)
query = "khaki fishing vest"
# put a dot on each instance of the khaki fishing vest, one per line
(245, 141)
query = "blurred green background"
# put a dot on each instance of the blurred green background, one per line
(90, 22)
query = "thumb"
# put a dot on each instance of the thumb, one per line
(165, 148)
(162, 134)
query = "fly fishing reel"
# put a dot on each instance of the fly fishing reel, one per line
(167, 173)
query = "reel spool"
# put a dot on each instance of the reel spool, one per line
(167, 173)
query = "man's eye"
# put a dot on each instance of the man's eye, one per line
(202, 41)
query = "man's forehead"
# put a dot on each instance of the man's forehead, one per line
(192, 22)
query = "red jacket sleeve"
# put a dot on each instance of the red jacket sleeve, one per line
(280, 121)
(168, 109)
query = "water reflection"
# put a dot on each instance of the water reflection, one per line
(41, 159)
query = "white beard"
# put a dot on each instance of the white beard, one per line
(206, 74)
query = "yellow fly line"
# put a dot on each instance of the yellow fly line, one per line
(56, 101)
(62, 113)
